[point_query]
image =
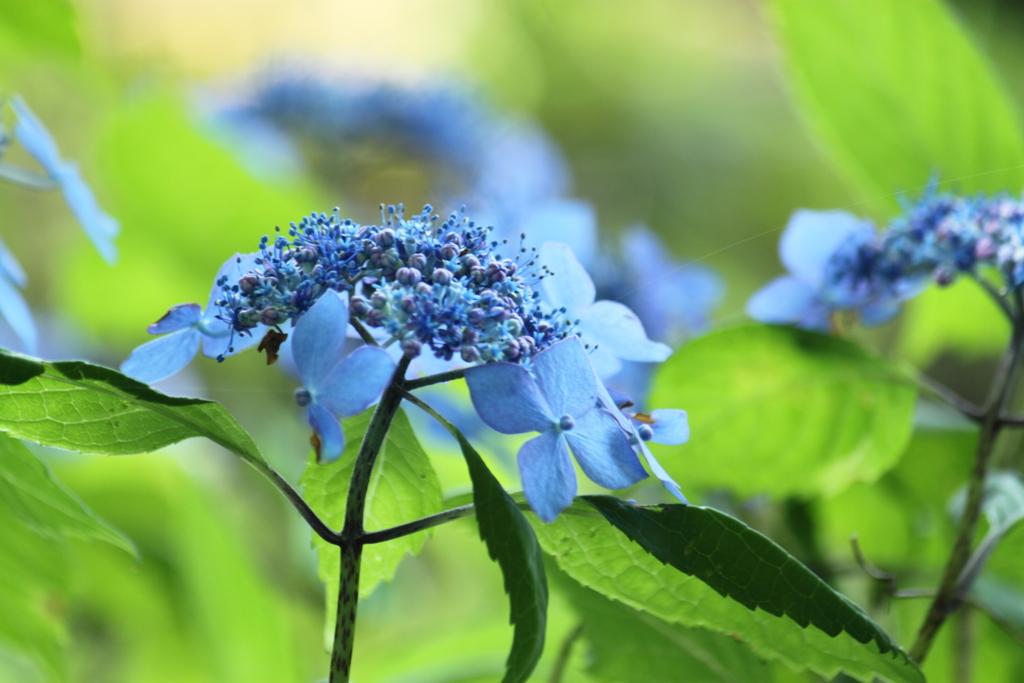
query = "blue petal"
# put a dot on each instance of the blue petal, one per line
(223, 343)
(788, 301)
(880, 311)
(177, 318)
(569, 221)
(659, 472)
(549, 482)
(332, 439)
(99, 226)
(15, 311)
(33, 136)
(318, 341)
(812, 237)
(356, 382)
(670, 426)
(10, 268)
(233, 269)
(615, 328)
(566, 378)
(507, 399)
(569, 286)
(161, 358)
(603, 451)
(604, 361)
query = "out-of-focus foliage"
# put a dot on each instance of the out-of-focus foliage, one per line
(800, 413)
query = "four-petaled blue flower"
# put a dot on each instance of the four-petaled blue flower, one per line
(334, 385)
(186, 325)
(610, 328)
(98, 225)
(816, 247)
(558, 397)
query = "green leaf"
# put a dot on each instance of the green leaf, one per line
(603, 558)
(513, 545)
(30, 493)
(93, 409)
(960, 317)
(631, 646)
(1003, 507)
(897, 92)
(403, 487)
(783, 411)
(33, 577)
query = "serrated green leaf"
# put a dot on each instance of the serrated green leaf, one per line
(513, 545)
(30, 493)
(783, 411)
(603, 558)
(897, 92)
(631, 646)
(93, 409)
(403, 487)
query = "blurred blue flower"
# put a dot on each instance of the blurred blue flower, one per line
(674, 301)
(99, 226)
(13, 308)
(334, 385)
(833, 259)
(610, 330)
(558, 397)
(188, 325)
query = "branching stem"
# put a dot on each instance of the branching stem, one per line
(435, 379)
(945, 601)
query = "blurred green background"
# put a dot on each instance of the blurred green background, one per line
(688, 116)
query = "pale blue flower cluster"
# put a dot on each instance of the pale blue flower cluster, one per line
(840, 263)
(100, 227)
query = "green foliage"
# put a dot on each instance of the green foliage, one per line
(93, 409)
(740, 564)
(185, 206)
(31, 495)
(606, 560)
(403, 487)
(1003, 507)
(39, 26)
(630, 646)
(783, 411)
(961, 317)
(513, 545)
(897, 92)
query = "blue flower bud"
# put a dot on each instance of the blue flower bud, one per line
(270, 316)
(411, 348)
(408, 276)
(358, 306)
(441, 276)
(645, 432)
(470, 354)
(378, 300)
(248, 283)
(418, 261)
(303, 397)
(566, 423)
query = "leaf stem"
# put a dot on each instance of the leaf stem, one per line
(954, 399)
(945, 601)
(352, 533)
(435, 379)
(318, 526)
(419, 524)
(564, 652)
(364, 333)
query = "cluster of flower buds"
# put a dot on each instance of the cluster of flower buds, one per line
(430, 286)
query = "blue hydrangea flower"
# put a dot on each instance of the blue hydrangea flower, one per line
(427, 287)
(334, 385)
(832, 258)
(13, 307)
(673, 300)
(100, 227)
(558, 397)
(187, 326)
(609, 329)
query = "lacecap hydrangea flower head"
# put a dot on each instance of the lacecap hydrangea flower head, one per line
(443, 288)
